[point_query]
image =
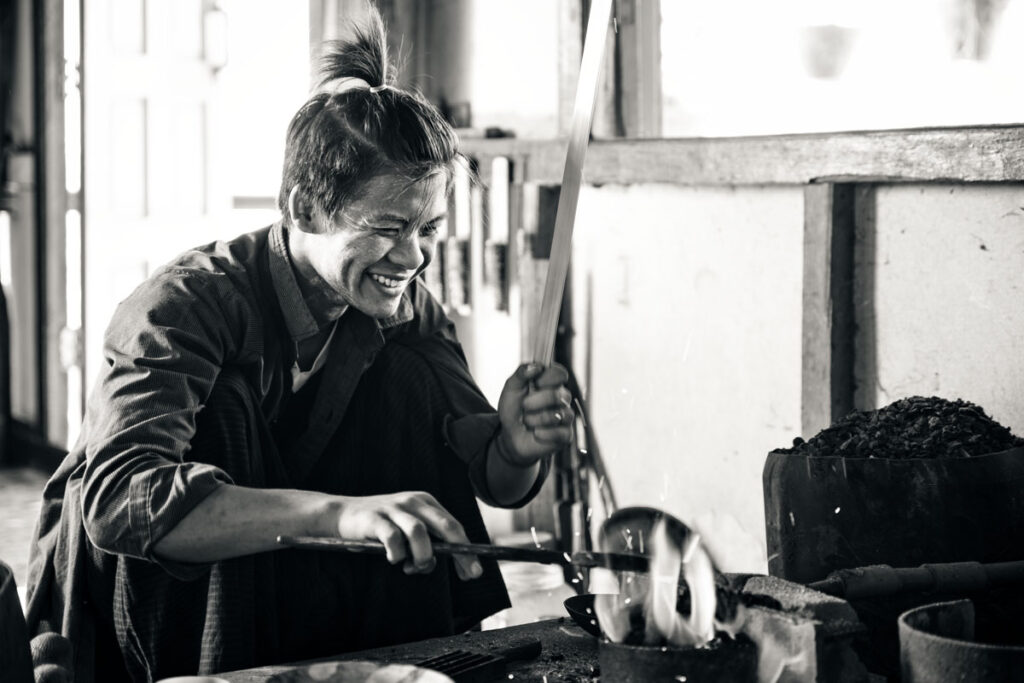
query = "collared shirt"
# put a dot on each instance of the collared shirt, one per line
(236, 304)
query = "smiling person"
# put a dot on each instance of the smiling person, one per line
(297, 380)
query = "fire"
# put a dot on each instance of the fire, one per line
(647, 603)
(643, 608)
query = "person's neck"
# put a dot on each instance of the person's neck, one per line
(314, 291)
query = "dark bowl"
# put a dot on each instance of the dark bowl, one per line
(581, 609)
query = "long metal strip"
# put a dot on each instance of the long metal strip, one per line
(579, 134)
(616, 561)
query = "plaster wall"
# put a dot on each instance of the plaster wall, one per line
(688, 317)
(940, 296)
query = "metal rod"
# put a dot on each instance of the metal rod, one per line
(572, 177)
(616, 561)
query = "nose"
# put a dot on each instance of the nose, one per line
(409, 252)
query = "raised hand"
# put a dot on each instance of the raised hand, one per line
(536, 413)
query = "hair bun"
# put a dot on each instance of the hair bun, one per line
(363, 56)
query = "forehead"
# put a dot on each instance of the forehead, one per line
(397, 195)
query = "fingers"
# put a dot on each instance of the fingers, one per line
(405, 523)
(421, 552)
(525, 374)
(447, 528)
(553, 376)
(385, 531)
(554, 436)
(557, 398)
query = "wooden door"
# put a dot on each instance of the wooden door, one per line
(148, 96)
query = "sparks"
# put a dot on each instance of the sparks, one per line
(533, 532)
(837, 510)
(567, 557)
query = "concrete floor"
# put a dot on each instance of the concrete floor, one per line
(20, 492)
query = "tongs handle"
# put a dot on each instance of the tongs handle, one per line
(617, 561)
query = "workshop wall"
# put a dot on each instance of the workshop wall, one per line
(939, 294)
(687, 316)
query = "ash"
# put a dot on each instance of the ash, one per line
(915, 427)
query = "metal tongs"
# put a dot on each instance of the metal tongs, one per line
(624, 538)
(584, 559)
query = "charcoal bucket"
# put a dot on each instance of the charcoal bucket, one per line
(829, 513)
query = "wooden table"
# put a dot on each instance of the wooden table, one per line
(569, 654)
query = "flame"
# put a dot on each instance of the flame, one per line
(652, 598)
(699, 627)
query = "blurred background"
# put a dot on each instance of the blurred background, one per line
(750, 159)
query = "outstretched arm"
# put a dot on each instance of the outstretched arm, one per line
(236, 520)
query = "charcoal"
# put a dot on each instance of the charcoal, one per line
(915, 427)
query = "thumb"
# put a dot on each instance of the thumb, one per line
(520, 380)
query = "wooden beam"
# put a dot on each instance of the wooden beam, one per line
(977, 154)
(828, 321)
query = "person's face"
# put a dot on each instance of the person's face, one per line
(367, 253)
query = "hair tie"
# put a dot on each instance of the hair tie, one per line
(378, 88)
(337, 86)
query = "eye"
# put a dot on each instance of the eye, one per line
(429, 230)
(388, 232)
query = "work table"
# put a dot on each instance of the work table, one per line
(569, 653)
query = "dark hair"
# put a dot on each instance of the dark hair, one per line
(338, 141)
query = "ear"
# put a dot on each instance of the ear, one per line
(300, 212)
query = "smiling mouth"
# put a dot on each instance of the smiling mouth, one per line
(388, 282)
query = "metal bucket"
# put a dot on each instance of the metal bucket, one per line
(937, 644)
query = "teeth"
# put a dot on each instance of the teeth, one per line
(386, 281)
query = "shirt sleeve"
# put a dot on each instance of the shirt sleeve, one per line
(163, 351)
(470, 438)
(472, 423)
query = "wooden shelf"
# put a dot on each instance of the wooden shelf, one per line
(977, 154)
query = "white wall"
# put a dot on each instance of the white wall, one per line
(944, 266)
(695, 347)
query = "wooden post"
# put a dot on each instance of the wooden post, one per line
(538, 205)
(638, 75)
(827, 385)
(571, 17)
(51, 209)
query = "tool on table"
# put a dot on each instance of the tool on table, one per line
(472, 667)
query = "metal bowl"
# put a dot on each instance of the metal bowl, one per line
(581, 609)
